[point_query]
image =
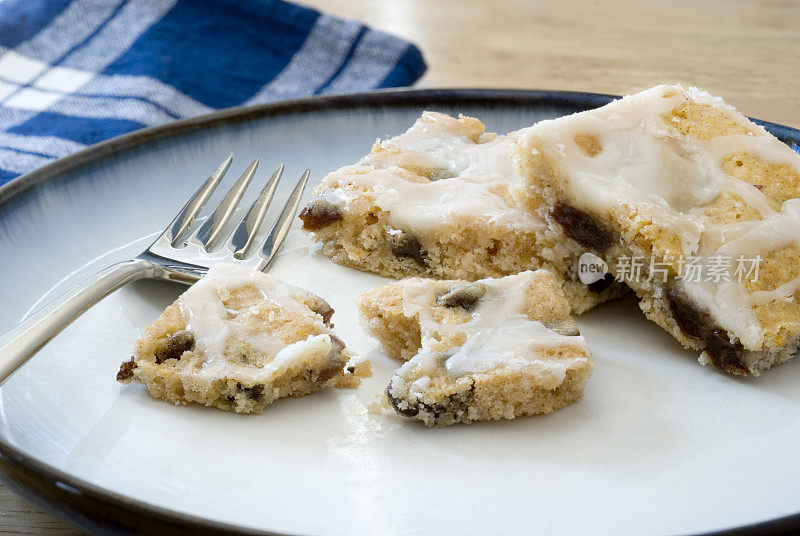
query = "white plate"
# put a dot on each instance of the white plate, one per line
(658, 444)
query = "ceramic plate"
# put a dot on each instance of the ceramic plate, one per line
(658, 444)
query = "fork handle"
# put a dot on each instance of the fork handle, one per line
(26, 338)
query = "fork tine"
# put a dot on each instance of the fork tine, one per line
(209, 233)
(278, 232)
(188, 214)
(251, 225)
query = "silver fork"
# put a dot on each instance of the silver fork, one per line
(175, 256)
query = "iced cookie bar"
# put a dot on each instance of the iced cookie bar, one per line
(691, 204)
(239, 340)
(442, 200)
(483, 350)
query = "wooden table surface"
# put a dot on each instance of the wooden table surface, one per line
(746, 51)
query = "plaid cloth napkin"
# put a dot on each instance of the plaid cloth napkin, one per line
(75, 72)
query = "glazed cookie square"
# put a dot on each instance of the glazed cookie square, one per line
(484, 350)
(692, 205)
(239, 340)
(442, 200)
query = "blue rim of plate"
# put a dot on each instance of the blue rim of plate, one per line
(101, 511)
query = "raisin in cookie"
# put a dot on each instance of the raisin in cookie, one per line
(442, 200)
(693, 205)
(485, 350)
(239, 340)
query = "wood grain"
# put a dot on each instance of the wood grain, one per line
(746, 51)
(17, 516)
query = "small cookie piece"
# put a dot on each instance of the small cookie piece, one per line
(442, 200)
(485, 350)
(239, 340)
(692, 205)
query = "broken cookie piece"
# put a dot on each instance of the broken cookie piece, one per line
(442, 200)
(238, 340)
(492, 349)
(693, 206)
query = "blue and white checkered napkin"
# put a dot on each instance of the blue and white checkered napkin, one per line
(75, 72)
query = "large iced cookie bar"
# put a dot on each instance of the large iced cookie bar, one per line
(489, 349)
(692, 205)
(441, 200)
(239, 340)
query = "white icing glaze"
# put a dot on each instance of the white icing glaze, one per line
(499, 334)
(480, 184)
(213, 325)
(728, 300)
(647, 163)
(438, 141)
